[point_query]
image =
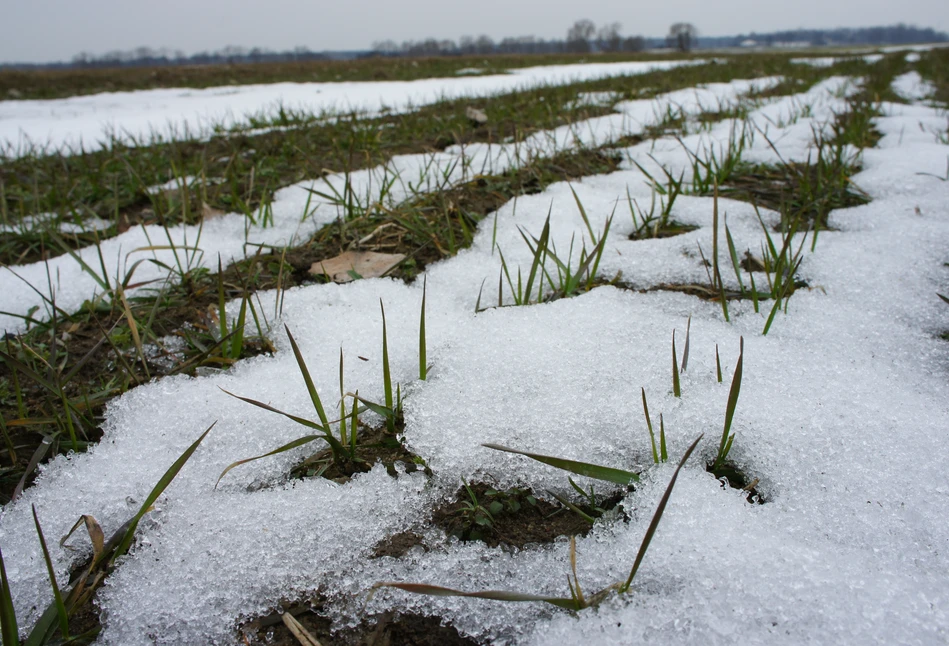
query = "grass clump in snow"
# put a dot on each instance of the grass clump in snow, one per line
(345, 454)
(567, 281)
(577, 599)
(88, 578)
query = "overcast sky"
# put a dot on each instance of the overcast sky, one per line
(49, 30)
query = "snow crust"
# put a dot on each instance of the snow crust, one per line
(843, 416)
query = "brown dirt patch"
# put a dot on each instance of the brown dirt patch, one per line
(386, 629)
(738, 479)
(517, 518)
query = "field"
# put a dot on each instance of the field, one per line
(625, 351)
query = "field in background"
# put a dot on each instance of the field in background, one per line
(51, 84)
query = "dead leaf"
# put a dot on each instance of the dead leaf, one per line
(750, 263)
(208, 212)
(476, 116)
(364, 264)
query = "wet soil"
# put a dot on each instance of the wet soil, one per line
(386, 629)
(517, 517)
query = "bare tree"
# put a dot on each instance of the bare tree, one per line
(579, 35)
(682, 36)
(608, 38)
(386, 47)
(633, 44)
(484, 45)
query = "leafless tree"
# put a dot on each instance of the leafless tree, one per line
(579, 35)
(608, 38)
(682, 36)
(385, 47)
(633, 44)
(484, 44)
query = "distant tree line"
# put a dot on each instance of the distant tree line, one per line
(899, 34)
(582, 37)
(148, 57)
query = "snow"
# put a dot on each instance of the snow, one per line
(829, 61)
(91, 122)
(842, 416)
(593, 99)
(189, 181)
(912, 87)
(46, 220)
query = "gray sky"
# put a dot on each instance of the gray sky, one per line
(48, 30)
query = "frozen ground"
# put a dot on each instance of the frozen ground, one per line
(843, 416)
(91, 121)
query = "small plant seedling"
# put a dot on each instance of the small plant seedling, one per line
(343, 456)
(474, 516)
(593, 509)
(725, 444)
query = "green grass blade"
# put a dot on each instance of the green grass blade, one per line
(676, 386)
(538, 255)
(652, 436)
(583, 214)
(663, 453)
(764, 227)
(314, 396)
(354, 426)
(342, 402)
(685, 350)
(657, 516)
(160, 487)
(734, 256)
(721, 295)
(609, 474)
(8, 626)
(422, 350)
(378, 409)
(733, 393)
(221, 311)
(386, 374)
(306, 439)
(572, 507)
(598, 251)
(299, 420)
(774, 311)
(237, 342)
(16, 364)
(754, 291)
(57, 595)
(478, 302)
